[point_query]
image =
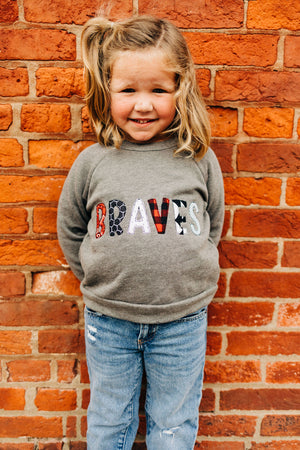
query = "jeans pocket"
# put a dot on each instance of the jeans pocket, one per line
(197, 315)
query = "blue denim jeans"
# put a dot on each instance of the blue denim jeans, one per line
(172, 355)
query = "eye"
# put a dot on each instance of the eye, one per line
(128, 90)
(159, 91)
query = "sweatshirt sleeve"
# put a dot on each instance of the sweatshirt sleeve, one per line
(215, 188)
(72, 216)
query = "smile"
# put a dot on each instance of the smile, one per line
(142, 121)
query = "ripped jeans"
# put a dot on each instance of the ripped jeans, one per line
(172, 355)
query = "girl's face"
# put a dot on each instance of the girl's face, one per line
(142, 89)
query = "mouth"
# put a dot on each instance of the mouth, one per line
(142, 121)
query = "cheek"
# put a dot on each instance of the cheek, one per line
(119, 110)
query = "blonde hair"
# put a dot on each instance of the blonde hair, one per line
(102, 40)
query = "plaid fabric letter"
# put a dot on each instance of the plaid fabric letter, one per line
(159, 219)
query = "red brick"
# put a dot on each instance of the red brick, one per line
(203, 77)
(262, 343)
(37, 427)
(55, 400)
(274, 14)
(222, 283)
(231, 425)
(267, 223)
(223, 121)
(86, 394)
(86, 124)
(15, 188)
(265, 284)
(66, 371)
(293, 192)
(84, 375)
(18, 446)
(226, 225)
(77, 11)
(9, 11)
(15, 343)
(280, 425)
(45, 118)
(6, 116)
(13, 221)
(12, 399)
(12, 284)
(13, 82)
(276, 445)
(289, 315)
(59, 154)
(214, 343)
(61, 341)
(38, 313)
(214, 445)
(51, 446)
(249, 255)
(232, 49)
(283, 372)
(56, 282)
(37, 44)
(292, 51)
(232, 372)
(269, 122)
(28, 370)
(240, 85)
(83, 431)
(291, 254)
(31, 252)
(44, 220)
(265, 157)
(71, 426)
(57, 82)
(258, 399)
(247, 191)
(11, 153)
(185, 14)
(79, 445)
(208, 401)
(235, 314)
(224, 151)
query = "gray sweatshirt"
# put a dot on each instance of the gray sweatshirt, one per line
(140, 228)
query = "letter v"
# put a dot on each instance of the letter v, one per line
(159, 219)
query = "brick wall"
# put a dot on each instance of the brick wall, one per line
(247, 55)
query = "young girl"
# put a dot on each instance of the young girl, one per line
(139, 220)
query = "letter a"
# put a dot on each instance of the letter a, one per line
(139, 210)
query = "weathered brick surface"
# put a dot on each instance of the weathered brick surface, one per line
(247, 59)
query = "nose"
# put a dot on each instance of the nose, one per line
(143, 103)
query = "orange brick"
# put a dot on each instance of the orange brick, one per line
(45, 118)
(31, 252)
(13, 82)
(44, 220)
(267, 223)
(276, 445)
(283, 372)
(262, 343)
(12, 284)
(293, 192)
(265, 157)
(280, 425)
(38, 313)
(59, 154)
(51, 446)
(232, 49)
(214, 445)
(203, 77)
(11, 153)
(259, 399)
(56, 282)
(292, 51)
(37, 427)
(214, 343)
(241, 85)
(223, 121)
(37, 44)
(291, 254)
(269, 122)
(230, 425)
(28, 370)
(66, 371)
(15, 188)
(232, 372)
(18, 446)
(247, 191)
(6, 116)
(289, 315)
(15, 343)
(13, 221)
(213, 14)
(224, 151)
(12, 399)
(273, 14)
(235, 314)
(265, 284)
(61, 341)
(77, 12)
(9, 11)
(55, 400)
(249, 255)
(57, 82)
(86, 124)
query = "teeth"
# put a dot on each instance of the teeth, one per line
(141, 121)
